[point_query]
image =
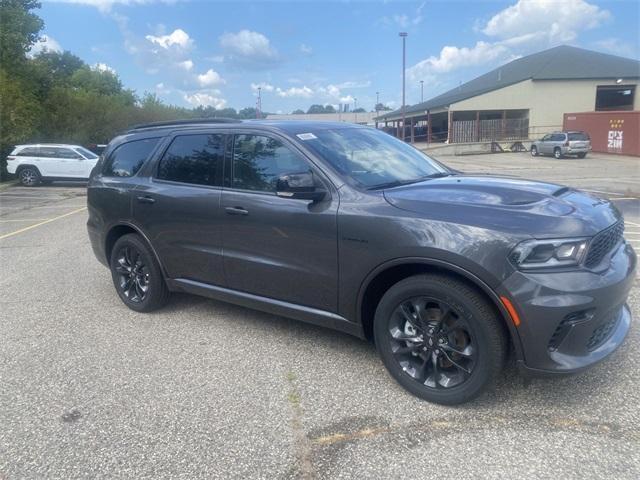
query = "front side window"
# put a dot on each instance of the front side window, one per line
(129, 157)
(67, 153)
(86, 153)
(372, 158)
(195, 159)
(258, 161)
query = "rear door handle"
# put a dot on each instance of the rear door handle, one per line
(145, 199)
(236, 211)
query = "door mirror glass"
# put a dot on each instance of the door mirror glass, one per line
(300, 185)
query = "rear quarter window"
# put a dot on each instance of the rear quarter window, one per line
(127, 159)
(580, 136)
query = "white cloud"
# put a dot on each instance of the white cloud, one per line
(551, 20)
(248, 44)
(161, 89)
(266, 87)
(451, 58)
(305, 49)
(302, 92)
(178, 38)
(186, 65)
(105, 5)
(210, 78)
(46, 44)
(403, 20)
(206, 99)
(347, 99)
(615, 46)
(103, 67)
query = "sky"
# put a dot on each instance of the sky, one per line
(216, 53)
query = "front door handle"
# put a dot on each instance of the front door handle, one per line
(145, 199)
(236, 211)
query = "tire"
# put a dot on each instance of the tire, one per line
(136, 274)
(29, 176)
(582, 155)
(425, 371)
(557, 153)
(534, 151)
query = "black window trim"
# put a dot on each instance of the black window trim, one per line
(168, 140)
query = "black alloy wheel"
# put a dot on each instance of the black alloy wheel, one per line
(137, 275)
(440, 338)
(432, 342)
(534, 151)
(133, 274)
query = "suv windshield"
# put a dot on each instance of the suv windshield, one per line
(371, 158)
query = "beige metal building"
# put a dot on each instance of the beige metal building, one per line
(524, 98)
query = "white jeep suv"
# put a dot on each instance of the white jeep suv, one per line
(34, 164)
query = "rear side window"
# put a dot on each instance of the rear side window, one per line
(128, 158)
(48, 152)
(195, 159)
(28, 152)
(578, 136)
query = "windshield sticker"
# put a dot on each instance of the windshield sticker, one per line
(306, 136)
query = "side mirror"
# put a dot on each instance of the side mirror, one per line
(300, 186)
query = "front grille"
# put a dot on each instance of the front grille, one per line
(602, 244)
(601, 333)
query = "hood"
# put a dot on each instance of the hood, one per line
(537, 208)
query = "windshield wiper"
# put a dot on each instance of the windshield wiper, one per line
(398, 183)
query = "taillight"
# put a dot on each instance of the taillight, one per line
(10, 158)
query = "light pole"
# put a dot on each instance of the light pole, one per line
(377, 110)
(355, 107)
(259, 109)
(421, 91)
(404, 38)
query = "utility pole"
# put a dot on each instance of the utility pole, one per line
(421, 91)
(377, 109)
(404, 50)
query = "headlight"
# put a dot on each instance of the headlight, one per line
(564, 252)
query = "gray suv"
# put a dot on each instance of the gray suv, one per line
(349, 228)
(560, 144)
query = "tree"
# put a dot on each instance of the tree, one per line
(315, 108)
(297, 112)
(19, 30)
(329, 109)
(380, 107)
(359, 110)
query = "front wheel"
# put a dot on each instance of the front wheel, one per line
(439, 338)
(582, 155)
(557, 153)
(534, 151)
(137, 275)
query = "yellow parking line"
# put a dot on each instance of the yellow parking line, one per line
(7, 235)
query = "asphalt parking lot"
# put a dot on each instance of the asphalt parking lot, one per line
(202, 389)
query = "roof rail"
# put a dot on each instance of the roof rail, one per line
(189, 121)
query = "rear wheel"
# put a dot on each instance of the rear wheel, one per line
(29, 176)
(582, 155)
(534, 151)
(439, 338)
(557, 153)
(137, 275)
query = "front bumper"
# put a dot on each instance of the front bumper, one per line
(573, 319)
